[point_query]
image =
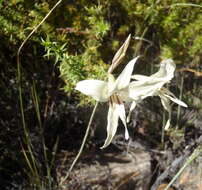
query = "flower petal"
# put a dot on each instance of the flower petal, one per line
(148, 86)
(164, 74)
(121, 111)
(166, 104)
(172, 97)
(111, 82)
(132, 107)
(112, 124)
(94, 88)
(167, 125)
(177, 101)
(141, 77)
(139, 90)
(149, 79)
(167, 68)
(124, 78)
(170, 68)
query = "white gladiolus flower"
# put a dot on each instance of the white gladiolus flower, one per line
(146, 86)
(113, 91)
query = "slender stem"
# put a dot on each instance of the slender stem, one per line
(163, 128)
(34, 30)
(193, 156)
(18, 63)
(185, 4)
(82, 145)
(29, 145)
(179, 107)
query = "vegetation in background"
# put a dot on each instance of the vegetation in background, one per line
(78, 42)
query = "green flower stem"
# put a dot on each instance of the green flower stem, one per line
(19, 68)
(163, 128)
(186, 4)
(179, 107)
(82, 145)
(193, 156)
(32, 160)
